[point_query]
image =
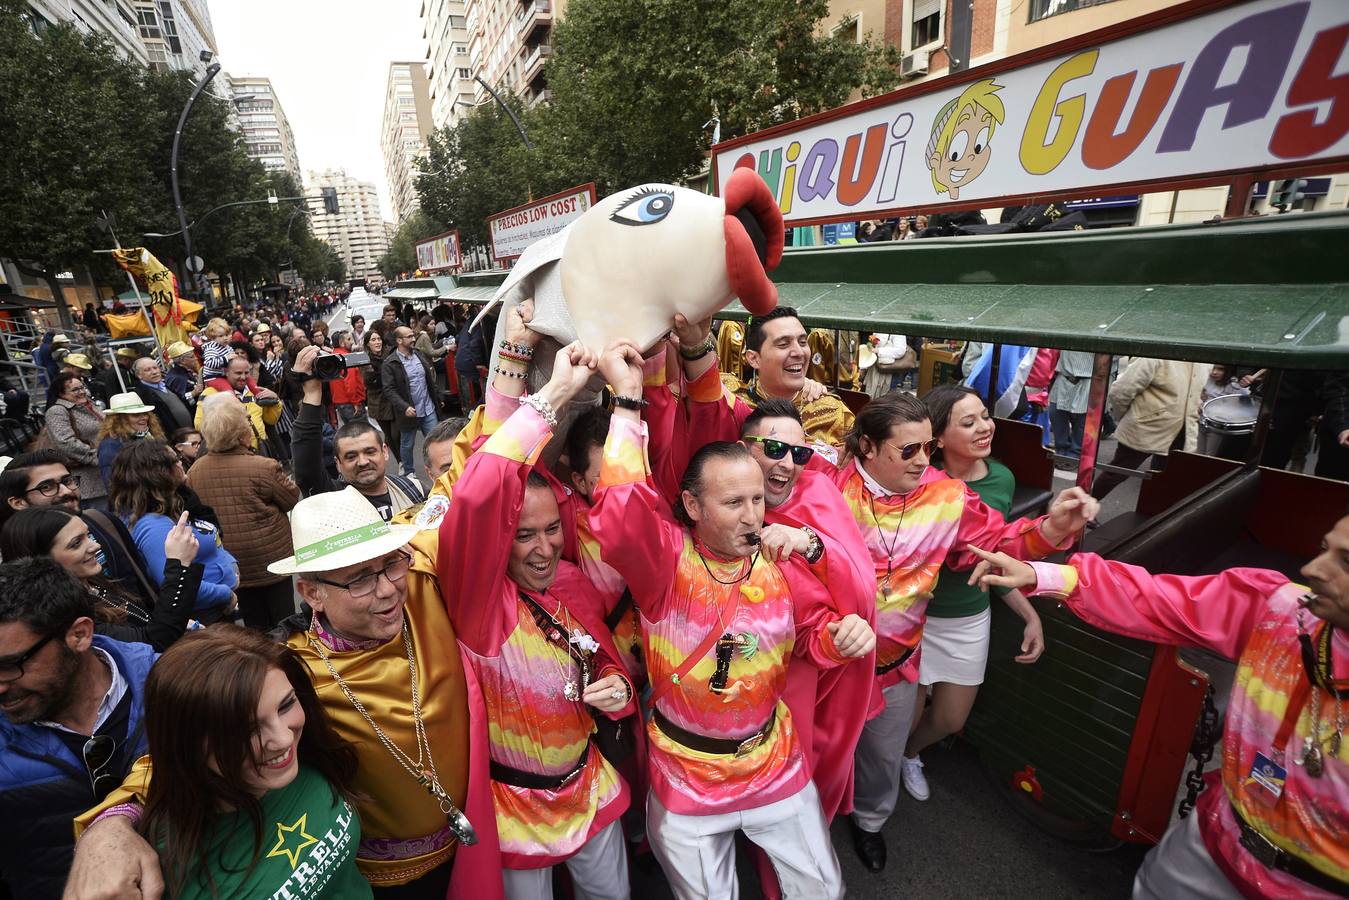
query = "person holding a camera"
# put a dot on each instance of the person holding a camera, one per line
(409, 381)
(361, 451)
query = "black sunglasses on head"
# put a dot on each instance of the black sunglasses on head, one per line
(775, 449)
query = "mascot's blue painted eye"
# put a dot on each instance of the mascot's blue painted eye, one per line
(646, 207)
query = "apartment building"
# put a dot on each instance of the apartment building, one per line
(357, 232)
(115, 19)
(263, 124)
(451, 79)
(407, 125)
(507, 43)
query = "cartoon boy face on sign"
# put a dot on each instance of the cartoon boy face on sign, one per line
(958, 150)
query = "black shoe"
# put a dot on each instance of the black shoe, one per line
(870, 847)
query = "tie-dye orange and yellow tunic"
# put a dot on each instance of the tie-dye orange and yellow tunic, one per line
(682, 589)
(910, 536)
(533, 726)
(1252, 616)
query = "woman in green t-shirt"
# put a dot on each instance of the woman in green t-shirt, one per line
(956, 635)
(248, 791)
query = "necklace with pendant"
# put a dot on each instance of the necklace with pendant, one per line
(746, 642)
(423, 768)
(577, 647)
(1319, 665)
(891, 546)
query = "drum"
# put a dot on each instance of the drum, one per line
(1232, 414)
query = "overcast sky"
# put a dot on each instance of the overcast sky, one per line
(329, 63)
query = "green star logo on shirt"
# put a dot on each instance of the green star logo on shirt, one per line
(287, 834)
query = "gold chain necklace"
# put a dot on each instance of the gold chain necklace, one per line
(424, 769)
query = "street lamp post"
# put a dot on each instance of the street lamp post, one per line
(502, 103)
(211, 71)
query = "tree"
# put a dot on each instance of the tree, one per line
(474, 170)
(78, 137)
(633, 82)
(402, 255)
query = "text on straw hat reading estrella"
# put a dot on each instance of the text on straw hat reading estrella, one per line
(341, 541)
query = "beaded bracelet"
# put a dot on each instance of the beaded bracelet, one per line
(698, 351)
(522, 349)
(505, 374)
(503, 356)
(542, 407)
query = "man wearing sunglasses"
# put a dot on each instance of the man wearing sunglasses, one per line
(727, 604)
(40, 479)
(72, 724)
(801, 503)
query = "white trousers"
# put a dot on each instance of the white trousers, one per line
(698, 852)
(599, 871)
(876, 776)
(1180, 868)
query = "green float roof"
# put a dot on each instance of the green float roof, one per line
(1269, 291)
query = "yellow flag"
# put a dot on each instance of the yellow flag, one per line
(173, 317)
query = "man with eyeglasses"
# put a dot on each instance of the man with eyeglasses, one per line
(72, 725)
(40, 479)
(380, 649)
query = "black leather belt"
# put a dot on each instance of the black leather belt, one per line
(888, 667)
(533, 780)
(1273, 857)
(720, 746)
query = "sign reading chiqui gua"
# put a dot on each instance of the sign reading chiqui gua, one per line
(515, 229)
(1192, 94)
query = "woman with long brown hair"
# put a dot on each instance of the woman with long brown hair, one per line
(378, 345)
(249, 792)
(123, 612)
(146, 491)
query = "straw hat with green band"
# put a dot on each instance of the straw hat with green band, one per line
(338, 529)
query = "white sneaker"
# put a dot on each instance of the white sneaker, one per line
(911, 774)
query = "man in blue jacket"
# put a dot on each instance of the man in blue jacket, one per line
(72, 723)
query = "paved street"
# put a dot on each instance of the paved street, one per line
(966, 841)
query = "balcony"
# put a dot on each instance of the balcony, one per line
(535, 20)
(538, 98)
(534, 63)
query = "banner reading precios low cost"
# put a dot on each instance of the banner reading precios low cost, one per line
(515, 229)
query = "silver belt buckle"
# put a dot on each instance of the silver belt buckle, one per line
(748, 745)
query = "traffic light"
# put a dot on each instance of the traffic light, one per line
(1287, 193)
(330, 200)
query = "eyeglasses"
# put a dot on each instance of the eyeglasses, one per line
(12, 669)
(909, 451)
(775, 449)
(98, 753)
(52, 487)
(394, 572)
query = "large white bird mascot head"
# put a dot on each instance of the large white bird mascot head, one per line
(626, 266)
